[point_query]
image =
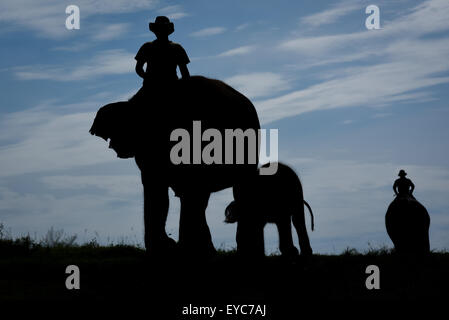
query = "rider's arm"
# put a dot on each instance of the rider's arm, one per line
(184, 71)
(412, 187)
(182, 60)
(139, 68)
(395, 185)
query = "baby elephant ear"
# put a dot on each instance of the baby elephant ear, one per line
(231, 213)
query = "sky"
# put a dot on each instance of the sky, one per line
(352, 106)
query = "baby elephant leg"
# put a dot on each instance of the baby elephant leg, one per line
(286, 245)
(303, 238)
(249, 238)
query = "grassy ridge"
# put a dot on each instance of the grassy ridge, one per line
(33, 271)
(118, 276)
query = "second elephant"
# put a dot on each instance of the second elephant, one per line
(407, 223)
(262, 199)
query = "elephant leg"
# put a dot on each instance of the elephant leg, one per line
(194, 233)
(250, 238)
(286, 245)
(395, 231)
(155, 206)
(421, 239)
(300, 226)
(426, 239)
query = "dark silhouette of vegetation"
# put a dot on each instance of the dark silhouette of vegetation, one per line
(121, 273)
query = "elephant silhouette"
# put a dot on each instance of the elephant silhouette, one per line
(263, 199)
(407, 222)
(143, 128)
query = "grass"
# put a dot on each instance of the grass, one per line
(35, 270)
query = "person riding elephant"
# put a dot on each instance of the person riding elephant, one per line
(161, 57)
(147, 128)
(403, 187)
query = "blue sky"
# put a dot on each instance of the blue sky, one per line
(352, 107)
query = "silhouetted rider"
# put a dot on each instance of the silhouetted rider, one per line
(162, 56)
(403, 187)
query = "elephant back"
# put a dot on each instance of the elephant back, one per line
(407, 222)
(211, 104)
(281, 191)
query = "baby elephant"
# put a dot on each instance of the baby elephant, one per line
(263, 199)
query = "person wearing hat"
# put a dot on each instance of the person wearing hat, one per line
(403, 187)
(161, 56)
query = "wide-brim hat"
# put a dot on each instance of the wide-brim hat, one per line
(162, 24)
(402, 173)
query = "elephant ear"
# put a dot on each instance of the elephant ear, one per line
(232, 212)
(116, 122)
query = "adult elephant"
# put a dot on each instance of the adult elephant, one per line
(210, 118)
(407, 223)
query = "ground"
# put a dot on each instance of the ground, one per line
(120, 273)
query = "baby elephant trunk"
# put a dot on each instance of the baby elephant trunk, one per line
(231, 213)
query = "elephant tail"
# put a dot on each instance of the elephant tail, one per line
(298, 219)
(311, 215)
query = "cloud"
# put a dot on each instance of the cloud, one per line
(242, 26)
(259, 84)
(110, 31)
(47, 17)
(51, 137)
(237, 51)
(322, 45)
(104, 63)
(379, 84)
(356, 194)
(45, 153)
(73, 46)
(61, 143)
(107, 217)
(381, 115)
(331, 15)
(174, 12)
(122, 185)
(426, 18)
(208, 32)
(393, 65)
(349, 198)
